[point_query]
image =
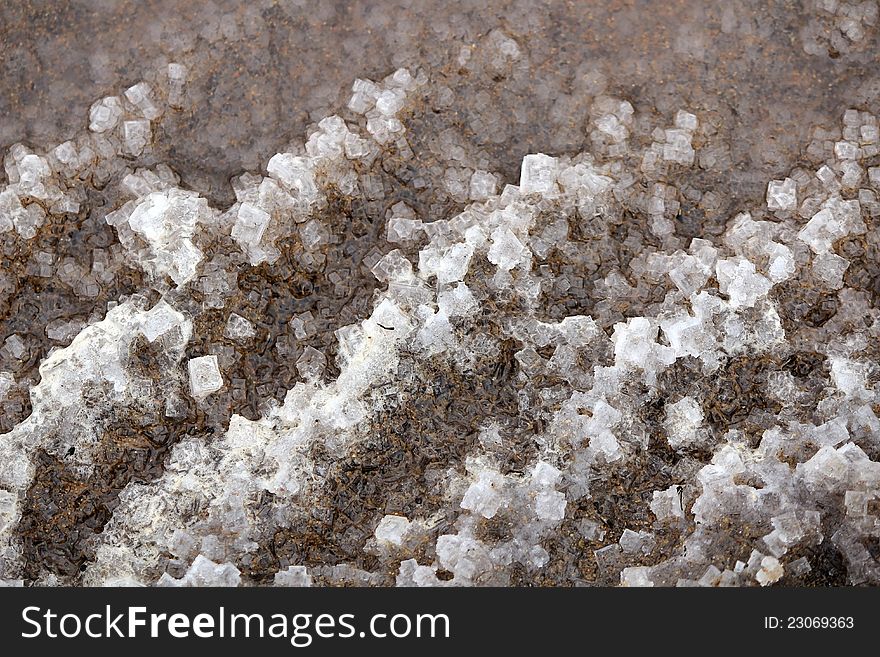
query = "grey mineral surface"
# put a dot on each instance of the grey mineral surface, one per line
(432, 294)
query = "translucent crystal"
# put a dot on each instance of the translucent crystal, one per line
(238, 328)
(311, 364)
(782, 195)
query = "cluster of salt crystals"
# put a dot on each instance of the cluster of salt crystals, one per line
(838, 26)
(293, 189)
(610, 125)
(530, 503)
(672, 145)
(204, 572)
(158, 229)
(428, 306)
(53, 182)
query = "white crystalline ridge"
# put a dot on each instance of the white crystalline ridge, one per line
(96, 357)
(720, 306)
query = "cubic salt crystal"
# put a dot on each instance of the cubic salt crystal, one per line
(449, 264)
(738, 279)
(636, 576)
(295, 173)
(436, 334)
(356, 147)
(462, 555)
(545, 475)
(15, 346)
(782, 195)
(538, 174)
(482, 185)
(293, 576)
(483, 495)
(28, 220)
(850, 377)
(392, 530)
(10, 208)
(250, 224)
(781, 265)
(390, 102)
(825, 469)
(139, 96)
(612, 126)
(635, 345)
(204, 376)
(633, 542)
(105, 114)
(238, 328)
(685, 121)
(166, 220)
(689, 275)
(402, 229)
(550, 505)
(160, 319)
(822, 231)
(829, 268)
(311, 364)
(590, 530)
(506, 251)
(136, 135)
(393, 266)
(457, 302)
(66, 154)
(313, 234)
(666, 504)
(678, 147)
(598, 429)
(846, 150)
(204, 572)
(364, 96)
(684, 421)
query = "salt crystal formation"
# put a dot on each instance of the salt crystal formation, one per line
(555, 383)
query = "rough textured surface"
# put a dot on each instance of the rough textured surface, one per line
(519, 295)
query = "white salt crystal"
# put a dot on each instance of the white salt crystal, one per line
(771, 571)
(782, 195)
(550, 505)
(392, 529)
(738, 279)
(822, 231)
(160, 319)
(483, 496)
(506, 251)
(204, 376)
(136, 135)
(482, 185)
(538, 174)
(105, 114)
(293, 576)
(250, 225)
